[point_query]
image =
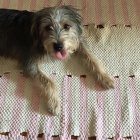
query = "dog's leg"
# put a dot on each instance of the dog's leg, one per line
(50, 92)
(97, 69)
(31, 68)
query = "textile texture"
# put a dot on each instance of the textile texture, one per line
(85, 111)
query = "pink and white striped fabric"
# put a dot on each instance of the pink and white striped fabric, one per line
(85, 111)
(112, 12)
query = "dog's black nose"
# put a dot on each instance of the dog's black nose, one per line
(58, 46)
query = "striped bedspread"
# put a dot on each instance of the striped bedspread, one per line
(112, 12)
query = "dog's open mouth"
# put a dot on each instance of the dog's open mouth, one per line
(61, 55)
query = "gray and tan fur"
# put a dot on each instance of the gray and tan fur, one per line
(55, 32)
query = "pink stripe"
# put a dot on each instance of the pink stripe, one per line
(98, 12)
(83, 113)
(112, 12)
(2, 137)
(45, 3)
(33, 5)
(137, 7)
(70, 2)
(134, 138)
(100, 115)
(85, 11)
(20, 5)
(63, 137)
(34, 114)
(47, 137)
(18, 103)
(62, 2)
(125, 12)
(49, 128)
(14, 136)
(5, 3)
(66, 109)
(117, 101)
(4, 82)
(134, 106)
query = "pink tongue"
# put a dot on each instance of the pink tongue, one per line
(61, 55)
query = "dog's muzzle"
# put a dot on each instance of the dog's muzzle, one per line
(59, 51)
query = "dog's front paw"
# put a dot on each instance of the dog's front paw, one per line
(53, 101)
(105, 81)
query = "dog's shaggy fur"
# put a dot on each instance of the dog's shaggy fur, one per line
(55, 32)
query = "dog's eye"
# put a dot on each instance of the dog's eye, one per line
(49, 27)
(66, 26)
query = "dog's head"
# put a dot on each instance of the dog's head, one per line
(58, 30)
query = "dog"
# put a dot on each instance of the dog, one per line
(55, 32)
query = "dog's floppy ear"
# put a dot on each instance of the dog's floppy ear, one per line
(37, 21)
(35, 32)
(35, 27)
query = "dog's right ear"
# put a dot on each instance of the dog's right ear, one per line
(35, 28)
(40, 17)
(35, 33)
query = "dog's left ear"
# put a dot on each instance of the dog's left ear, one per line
(35, 32)
(35, 28)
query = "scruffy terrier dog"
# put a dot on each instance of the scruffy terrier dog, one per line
(55, 32)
